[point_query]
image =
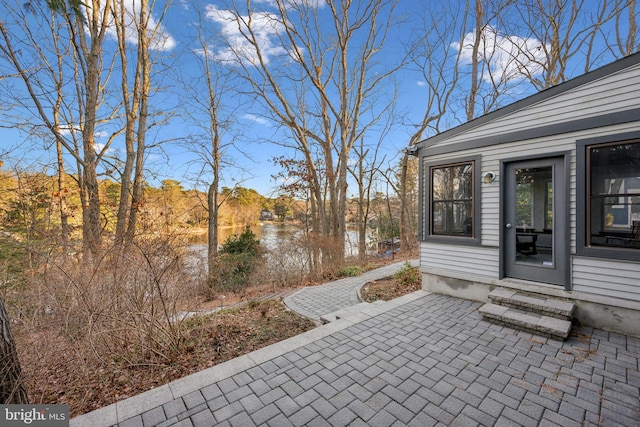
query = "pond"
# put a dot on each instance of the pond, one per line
(274, 236)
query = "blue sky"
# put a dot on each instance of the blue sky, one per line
(249, 160)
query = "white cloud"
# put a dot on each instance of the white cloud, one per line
(67, 130)
(271, 3)
(508, 57)
(99, 146)
(289, 4)
(421, 83)
(265, 27)
(130, 11)
(256, 119)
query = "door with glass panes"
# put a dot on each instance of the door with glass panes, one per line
(535, 229)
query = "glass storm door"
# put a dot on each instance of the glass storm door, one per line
(535, 221)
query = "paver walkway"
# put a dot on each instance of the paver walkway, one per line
(422, 359)
(315, 301)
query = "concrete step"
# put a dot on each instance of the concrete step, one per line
(537, 303)
(535, 323)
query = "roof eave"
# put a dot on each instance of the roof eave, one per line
(543, 95)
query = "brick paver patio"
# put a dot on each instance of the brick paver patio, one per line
(421, 360)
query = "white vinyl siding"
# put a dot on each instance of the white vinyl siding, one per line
(607, 277)
(466, 257)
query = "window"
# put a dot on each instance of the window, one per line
(452, 207)
(534, 198)
(613, 195)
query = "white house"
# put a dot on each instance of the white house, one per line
(542, 196)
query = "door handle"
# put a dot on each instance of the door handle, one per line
(508, 225)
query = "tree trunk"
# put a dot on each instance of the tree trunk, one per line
(362, 231)
(212, 240)
(475, 62)
(137, 106)
(131, 104)
(405, 240)
(12, 389)
(91, 215)
(64, 216)
(91, 224)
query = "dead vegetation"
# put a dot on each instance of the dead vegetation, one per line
(404, 282)
(61, 370)
(90, 335)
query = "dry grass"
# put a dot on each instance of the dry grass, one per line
(386, 289)
(57, 369)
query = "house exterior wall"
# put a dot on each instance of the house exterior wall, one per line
(549, 128)
(491, 157)
(609, 95)
(618, 279)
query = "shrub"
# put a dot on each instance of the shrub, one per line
(123, 310)
(407, 275)
(244, 243)
(238, 258)
(350, 271)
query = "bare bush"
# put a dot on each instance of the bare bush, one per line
(302, 260)
(112, 322)
(288, 266)
(125, 308)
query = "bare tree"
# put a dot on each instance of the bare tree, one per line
(436, 57)
(88, 35)
(304, 180)
(466, 65)
(12, 390)
(320, 81)
(569, 30)
(137, 27)
(487, 67)
(364, 174)
(78, 38)
(50, 72)
(366, 169)
(213, 121)
(629, 43)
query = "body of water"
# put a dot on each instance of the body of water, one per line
(275, 236)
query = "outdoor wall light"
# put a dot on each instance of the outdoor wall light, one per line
(412, 150)
(489, 177)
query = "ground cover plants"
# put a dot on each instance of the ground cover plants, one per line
(405, 281)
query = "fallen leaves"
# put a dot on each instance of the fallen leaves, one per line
(386, 289)
(68, 373)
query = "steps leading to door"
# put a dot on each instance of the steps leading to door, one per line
(539, 314)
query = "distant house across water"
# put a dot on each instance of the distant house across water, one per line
(266, 215)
